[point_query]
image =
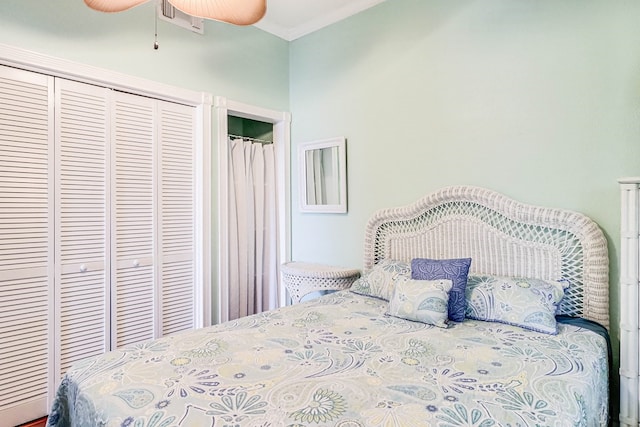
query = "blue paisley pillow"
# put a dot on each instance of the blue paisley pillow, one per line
(528, 303)
(455, 270)
(423, 301)
(380, 281)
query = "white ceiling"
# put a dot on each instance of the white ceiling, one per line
(290, 19)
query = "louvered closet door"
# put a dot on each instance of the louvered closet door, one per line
(26, 243)
(176, 217)
(133, 224)
(82, 232)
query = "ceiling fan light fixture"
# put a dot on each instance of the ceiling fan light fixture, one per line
(237, 12)
(113, 5)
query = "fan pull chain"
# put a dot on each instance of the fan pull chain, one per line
(155, 42)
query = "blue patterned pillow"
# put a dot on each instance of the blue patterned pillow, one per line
(455, 270)
(380, 281)
(423, 301)
(528, 303)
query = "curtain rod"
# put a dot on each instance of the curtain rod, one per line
(248, 138)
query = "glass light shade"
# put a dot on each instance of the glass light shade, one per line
(238, 12)
(113, 5)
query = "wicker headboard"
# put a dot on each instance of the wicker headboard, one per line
(503, 237)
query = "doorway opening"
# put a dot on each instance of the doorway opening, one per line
(246, 134)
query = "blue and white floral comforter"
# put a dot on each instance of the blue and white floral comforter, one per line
(339, 361)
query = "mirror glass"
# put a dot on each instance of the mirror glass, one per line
(323, 176)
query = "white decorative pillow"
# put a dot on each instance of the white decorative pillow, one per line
(528, 303)
(425, 301)
(380, 280)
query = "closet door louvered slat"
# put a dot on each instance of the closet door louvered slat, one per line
(81, 227)
(177, 217)
(26, 243)
(133, 223)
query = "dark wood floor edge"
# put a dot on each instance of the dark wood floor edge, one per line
(40, 422)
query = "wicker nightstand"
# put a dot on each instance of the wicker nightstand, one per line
(302, 278)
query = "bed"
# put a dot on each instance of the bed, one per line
(531, 349)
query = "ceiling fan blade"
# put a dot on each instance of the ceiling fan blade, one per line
(238, 12)
(113, 5)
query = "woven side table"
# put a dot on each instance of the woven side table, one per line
(302, 278)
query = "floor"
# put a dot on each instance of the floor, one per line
(35, 423)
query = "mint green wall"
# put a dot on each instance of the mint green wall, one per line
(536, 99)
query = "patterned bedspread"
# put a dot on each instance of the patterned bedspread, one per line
(339, 361)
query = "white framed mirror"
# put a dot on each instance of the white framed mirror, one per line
(323, 176)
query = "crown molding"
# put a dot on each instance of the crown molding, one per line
(309, 26)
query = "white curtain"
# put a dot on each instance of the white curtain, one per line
(253, 255)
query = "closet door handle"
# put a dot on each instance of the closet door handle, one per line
(83, 268)
(136, 263)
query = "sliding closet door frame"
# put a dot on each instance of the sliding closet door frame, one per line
(202, 101)
(282, 139)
